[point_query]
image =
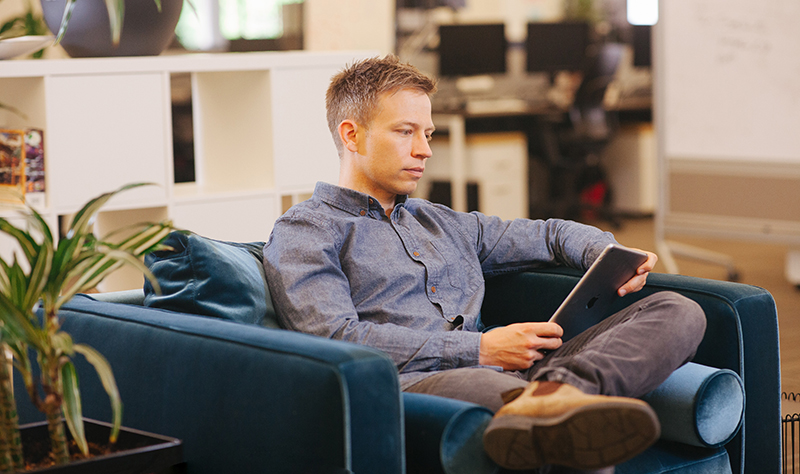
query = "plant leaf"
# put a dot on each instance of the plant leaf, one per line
(194, 10)
(13, 110)
(116, 17)
(145, 240)
(72, 406)
(34, 25)
(37, 279)
(91, 271)
(18, 323)
(91, 277)
(24, 239)
(21, 360)
(66, 255)
(106, 375)
(5, 281)
(8, 29)
(84, 217)
(62, 343)
(65, 20)
(37, 221)
(17, 287)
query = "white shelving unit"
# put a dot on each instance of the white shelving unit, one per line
(261, 138)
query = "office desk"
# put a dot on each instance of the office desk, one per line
(455, 124)
(537, 110)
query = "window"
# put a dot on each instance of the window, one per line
(642, 12)
(211, 23)
(252, 19)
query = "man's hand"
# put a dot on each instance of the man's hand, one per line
(637, 283)
(518, 346)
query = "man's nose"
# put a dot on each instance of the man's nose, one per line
(422, 149)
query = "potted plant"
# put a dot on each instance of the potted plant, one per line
(32, 289)
(28, 30)
(111, 28)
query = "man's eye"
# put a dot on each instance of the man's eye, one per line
(429, 137)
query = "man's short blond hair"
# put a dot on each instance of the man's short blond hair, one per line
(354, 92)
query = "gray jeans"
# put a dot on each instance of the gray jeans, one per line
(628, 354)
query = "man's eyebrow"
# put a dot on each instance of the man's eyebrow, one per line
(407, 123)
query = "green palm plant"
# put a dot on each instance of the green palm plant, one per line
(55, 273)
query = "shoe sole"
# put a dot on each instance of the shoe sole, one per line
(590, 437)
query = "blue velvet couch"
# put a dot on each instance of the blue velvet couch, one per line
(250, 399)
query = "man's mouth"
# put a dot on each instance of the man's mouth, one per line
(416, 171)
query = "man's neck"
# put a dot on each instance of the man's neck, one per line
(388, 205)
(347, 180)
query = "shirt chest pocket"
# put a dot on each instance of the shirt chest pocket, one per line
(460, 271)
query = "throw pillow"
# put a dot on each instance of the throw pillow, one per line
(211, 278)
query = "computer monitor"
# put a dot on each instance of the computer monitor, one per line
(553, 47)
(642, 44)
(471, 50)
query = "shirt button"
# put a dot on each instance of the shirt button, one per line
(416, 254)
(433, 289)
(363, 212)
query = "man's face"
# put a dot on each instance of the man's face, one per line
(393, 148)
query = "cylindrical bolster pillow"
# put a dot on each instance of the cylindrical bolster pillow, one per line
(699, 405)
(445, 436)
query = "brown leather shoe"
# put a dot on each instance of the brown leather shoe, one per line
(555, 423)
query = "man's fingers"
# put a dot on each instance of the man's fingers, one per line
(544, 329)
(637, 282)
(551, 343)
(634, 284)
(649, 264)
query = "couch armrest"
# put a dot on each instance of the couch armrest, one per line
(742, 335)
(445, 436)
(243, 399)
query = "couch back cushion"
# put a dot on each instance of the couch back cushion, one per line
(211, 278)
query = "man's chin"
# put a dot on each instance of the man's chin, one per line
(409, 190)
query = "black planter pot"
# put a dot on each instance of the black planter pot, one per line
(145, 30)
(136, 452)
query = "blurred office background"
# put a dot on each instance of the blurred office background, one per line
(545, 109)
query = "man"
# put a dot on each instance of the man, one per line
(362, 262)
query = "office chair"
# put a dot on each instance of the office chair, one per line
(578, 188)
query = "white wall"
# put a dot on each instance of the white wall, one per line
(349, 25)
(11, 8)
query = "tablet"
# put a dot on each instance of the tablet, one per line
(591, 299)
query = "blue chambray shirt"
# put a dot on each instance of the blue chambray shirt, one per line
(411, 284)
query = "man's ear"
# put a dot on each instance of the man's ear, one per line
(348, 133)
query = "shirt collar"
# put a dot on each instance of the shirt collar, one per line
(349, 200)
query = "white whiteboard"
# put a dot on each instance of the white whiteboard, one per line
(729, 78)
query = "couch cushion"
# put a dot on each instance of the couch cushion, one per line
(211, 278)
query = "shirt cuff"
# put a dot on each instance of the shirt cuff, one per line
(461, 349)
